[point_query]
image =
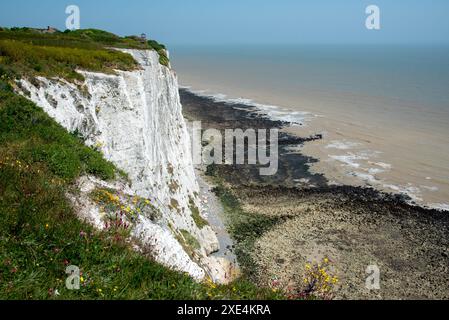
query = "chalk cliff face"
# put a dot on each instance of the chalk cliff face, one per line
(135, 119)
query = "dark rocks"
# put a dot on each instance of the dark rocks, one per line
(354, 226)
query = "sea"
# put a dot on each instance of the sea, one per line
(383, 110)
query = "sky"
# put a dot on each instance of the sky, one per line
(267, 22)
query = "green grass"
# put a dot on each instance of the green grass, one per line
(85, 38)
(196, 216)
(40, 234)
(33, 60)
(189, 240)
(27, 52)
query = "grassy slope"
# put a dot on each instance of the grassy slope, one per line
(40, 234)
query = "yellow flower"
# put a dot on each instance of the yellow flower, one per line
(326, 260)
(47, 226)
(82, 279)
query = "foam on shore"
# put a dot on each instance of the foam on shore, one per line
(275, 113)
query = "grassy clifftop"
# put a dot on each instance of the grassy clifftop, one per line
(30, 52)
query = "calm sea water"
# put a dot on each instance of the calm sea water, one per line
(384, 110)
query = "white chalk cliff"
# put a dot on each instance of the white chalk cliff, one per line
(135, 119)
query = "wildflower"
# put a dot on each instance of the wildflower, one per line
(326, 260)
(82, 279)
(99, 144)
(47, 226)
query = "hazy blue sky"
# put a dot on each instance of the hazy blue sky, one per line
(245, 21)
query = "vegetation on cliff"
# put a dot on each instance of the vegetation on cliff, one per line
(28, 52)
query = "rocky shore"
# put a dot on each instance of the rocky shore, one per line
(281, 223)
